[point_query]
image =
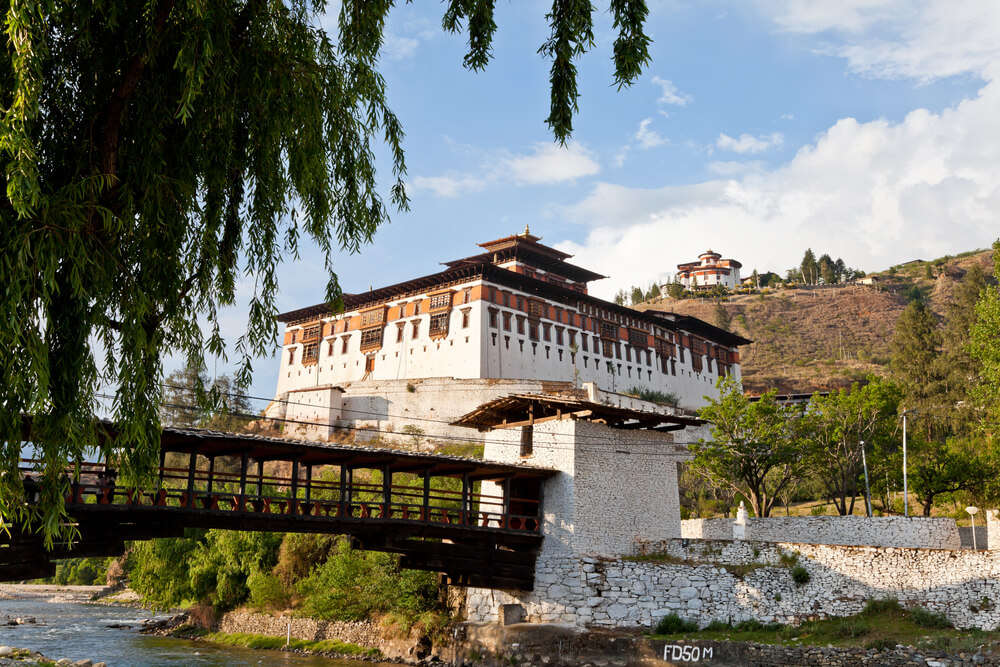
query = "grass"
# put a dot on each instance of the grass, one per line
(248, 640)
(882, 624)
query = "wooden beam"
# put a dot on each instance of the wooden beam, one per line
(531, 421)
(192, 464)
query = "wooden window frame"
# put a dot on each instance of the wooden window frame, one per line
(371, 338)
(435, 328)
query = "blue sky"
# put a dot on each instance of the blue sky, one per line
(862, 128)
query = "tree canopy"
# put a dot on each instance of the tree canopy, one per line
(157, 154)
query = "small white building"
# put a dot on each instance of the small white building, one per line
(710, 270)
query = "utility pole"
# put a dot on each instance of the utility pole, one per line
(868, 492)
(906, 497)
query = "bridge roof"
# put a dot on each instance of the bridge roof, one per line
(265, 448)
(524, 409)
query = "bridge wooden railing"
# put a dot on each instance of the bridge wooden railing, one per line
(217, 491)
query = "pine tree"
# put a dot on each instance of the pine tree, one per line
(917, 366)
(827, 270)
(985, 349)
(636, 295)
(962, 370)
(654, 292)
(755, 279)
(809, 268)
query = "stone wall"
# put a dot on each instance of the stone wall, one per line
(706, 580)
(879, 531)
(362, 633)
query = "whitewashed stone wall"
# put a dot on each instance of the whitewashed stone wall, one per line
(884, 531)
(732, 581)
(615, 486)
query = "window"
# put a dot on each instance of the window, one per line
(493, 317)
(559, 336)
(572, 338)
(291, 356)
(583, 339)
(506, 321)
(533, 330)
(520, 325)
(310, 353)
(439, 324)
(295, 336)
(535, 309)
(399, 332)
(465, 318)
(520, 303)
(467, 295)
(416, 328)
(312, 333)
(372, 317)
(343, 347)
(637, 338)
(527, 440)
(609, 330)
(440, 301)
(371, 338)
(547, 331)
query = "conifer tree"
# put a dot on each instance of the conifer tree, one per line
(809, 268)
(985, 349)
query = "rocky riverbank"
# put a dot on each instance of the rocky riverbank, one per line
(10, 656)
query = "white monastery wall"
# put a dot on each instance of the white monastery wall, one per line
(887, 531)
(381, 408)
(615, 485)
(478, 350)
(732, 581)
(626, 488)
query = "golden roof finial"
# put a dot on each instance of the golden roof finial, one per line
(527, 231)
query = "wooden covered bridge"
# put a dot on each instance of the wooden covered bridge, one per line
(427, 507)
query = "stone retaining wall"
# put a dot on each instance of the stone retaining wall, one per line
(708, 580)
(362, 633)
(879, 531)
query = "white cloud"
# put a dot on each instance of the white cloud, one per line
(727, 169)
(670, 94)
(746, 143)
(447, 186)
(551, 163)
(873, 193)
(545, 164)
(919, 39)
(648, 138)
(787, 116)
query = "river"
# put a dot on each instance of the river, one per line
(79, 631)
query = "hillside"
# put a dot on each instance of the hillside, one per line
(820, 338)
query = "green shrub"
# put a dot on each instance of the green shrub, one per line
(749, 625)
(672, 624)
(267, 593)
(800, 575)
(928, 619)
(653, 396)
(354, 585)
(848, 628)
(881, 644)
(788, 560)
(718, 626)
(875, 607)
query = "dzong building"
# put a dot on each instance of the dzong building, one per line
(515, 318)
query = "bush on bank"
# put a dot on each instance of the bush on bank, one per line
(319, 576)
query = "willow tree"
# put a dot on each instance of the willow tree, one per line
(157, 153)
